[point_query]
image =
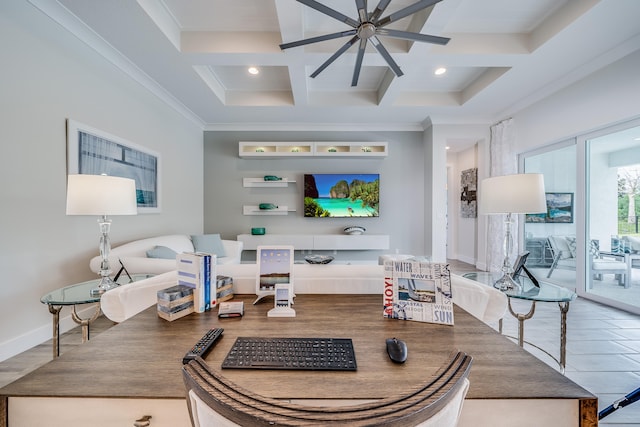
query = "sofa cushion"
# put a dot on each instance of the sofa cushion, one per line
(208, 243)
(610, 265)
(162, 252)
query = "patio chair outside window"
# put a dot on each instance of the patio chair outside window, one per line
(564, 257)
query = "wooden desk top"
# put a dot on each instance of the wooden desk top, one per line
(141, 357)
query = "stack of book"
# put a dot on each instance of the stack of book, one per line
(195, 270)
(224, 288)
(175, 302)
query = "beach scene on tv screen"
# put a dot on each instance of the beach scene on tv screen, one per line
(341, 195)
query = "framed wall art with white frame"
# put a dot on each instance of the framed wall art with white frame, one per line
(95, 152)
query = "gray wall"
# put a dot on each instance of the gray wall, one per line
(604, 98)
(402, 176)
(47, 77)
(461, 241)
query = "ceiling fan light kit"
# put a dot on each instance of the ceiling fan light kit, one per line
(367, 29)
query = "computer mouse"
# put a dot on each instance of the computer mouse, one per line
(397, 350)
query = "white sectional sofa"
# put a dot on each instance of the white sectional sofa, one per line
(136, 255)
(484, 302)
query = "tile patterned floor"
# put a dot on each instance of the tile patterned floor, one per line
(603, 349)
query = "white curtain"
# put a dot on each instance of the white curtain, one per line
(502, 161)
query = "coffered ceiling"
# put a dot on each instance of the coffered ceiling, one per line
(503, 55)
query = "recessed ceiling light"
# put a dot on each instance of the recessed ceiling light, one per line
(447, 147)
(440, 71)
(253, 70)
(636, 139)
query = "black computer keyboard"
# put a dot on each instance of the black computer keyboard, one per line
(328, 354)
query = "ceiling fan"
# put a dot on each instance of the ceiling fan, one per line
(365, 29)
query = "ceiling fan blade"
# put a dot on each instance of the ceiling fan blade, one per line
(335, 56)
(331, 12)
(362, 10)
(402, 13)
(406, 35)
(380, 8)
(385, 54)
(303, 42)
(358, 67)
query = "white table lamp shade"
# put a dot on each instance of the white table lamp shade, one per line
(101, 195)
(516, 194)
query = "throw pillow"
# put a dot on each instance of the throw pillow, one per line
(162, 252)
(594, 248)
(633, 244)
(209, 243)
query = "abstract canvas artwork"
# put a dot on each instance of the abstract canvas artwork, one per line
(95, 152)
(468, 191)
(559, 209)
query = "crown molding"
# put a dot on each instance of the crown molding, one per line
(60, 14)
(316, 127)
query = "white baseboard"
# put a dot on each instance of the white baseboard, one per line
(41, 334)
(468, 260)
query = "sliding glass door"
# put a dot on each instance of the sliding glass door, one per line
(612, 190)
(589, 238)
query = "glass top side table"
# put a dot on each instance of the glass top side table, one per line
(73, 295)
(547, 292)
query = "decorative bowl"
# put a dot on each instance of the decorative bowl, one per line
(354, 229)
(267, 206)
(318, 259)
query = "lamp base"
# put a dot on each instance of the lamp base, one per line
(506, 283)
(105, 284)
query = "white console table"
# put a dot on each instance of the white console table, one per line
(340, 242)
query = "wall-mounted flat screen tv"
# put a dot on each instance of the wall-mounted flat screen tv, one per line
(341, 195)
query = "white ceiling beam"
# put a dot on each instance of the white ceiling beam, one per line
(163, 19)
(291, 20)
(559, 21)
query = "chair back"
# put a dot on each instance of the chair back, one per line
(213, 400)
(560, 247)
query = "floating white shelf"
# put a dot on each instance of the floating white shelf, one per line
(260, 182)
(270, 150)
(255, 210)
(274, 149)
(318, 241)
(350, 149)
